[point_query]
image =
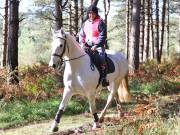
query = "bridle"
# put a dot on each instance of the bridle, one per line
(64, 49)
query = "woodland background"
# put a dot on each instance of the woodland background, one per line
(151, 32)
(146, 31)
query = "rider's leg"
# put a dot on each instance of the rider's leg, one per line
(103, 68)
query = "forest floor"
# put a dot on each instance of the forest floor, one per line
(142, 112)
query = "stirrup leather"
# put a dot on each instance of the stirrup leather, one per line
(104, 82)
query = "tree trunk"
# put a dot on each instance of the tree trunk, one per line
(13, 42)
(70, 16)
(130, 26)
(141, 45)
(157, 32)
(167, 27)
(127, 26)
(107, 6)
(152, 32)
(147, 30)
(76, 16)
(81, 12)
(94, 2)
(106, 11)
(5, 35)
(131, 11)
(135, 33)
(163, 26)
(179, 35)
(58, 14)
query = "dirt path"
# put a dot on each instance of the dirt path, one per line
(71, 122)
(70, 126)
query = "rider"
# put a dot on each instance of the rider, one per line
(92, 34)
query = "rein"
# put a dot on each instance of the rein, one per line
(64, 49)
(74, 58)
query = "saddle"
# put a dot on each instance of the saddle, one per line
(96, 61)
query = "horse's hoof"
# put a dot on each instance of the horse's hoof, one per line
(54, 127)
(96, 125)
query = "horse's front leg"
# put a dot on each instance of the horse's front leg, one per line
(66, 97)
(94, 111)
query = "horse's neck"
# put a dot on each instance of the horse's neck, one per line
(73, 50)
(75, 57)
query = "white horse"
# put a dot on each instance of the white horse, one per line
(79, 78)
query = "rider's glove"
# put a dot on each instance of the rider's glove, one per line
(94, 47)
(82, 45)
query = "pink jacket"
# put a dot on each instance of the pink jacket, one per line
(93, 32)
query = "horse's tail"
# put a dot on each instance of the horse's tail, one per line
(123, 91)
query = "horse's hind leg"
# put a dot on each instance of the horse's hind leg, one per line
(118, 104)
(112, 89)
(66, 97)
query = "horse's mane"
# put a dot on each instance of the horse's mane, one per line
(73, 39)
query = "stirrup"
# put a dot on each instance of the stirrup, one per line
(105, 83)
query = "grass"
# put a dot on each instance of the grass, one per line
(145, 125)
(23, 112)
(158, 86)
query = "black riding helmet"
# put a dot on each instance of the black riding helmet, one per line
(92, 8)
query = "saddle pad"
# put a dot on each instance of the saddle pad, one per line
(110, 65)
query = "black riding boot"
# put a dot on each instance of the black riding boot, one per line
(103, 73)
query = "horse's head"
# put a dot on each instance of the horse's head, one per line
(58, 48)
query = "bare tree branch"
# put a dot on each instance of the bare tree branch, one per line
(21, 18)
(65, 3)
(1, 15)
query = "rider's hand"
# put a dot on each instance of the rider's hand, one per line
(82, 45)
(93, 48)
(85, 47)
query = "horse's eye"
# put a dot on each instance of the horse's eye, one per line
(61, 45)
